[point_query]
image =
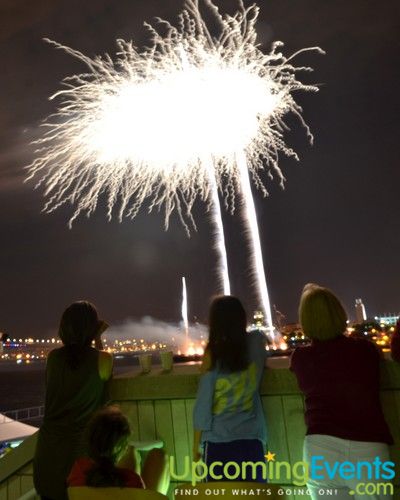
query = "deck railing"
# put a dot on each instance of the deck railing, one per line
(159, 406)
(23, 414)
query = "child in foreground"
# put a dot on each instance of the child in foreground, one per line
(113, 461)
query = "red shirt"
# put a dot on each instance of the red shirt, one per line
(81, 467)
(340, 380)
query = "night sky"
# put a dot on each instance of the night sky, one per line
(336, 223)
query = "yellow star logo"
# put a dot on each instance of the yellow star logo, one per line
(270, 456)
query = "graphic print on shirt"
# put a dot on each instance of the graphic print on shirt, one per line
(234, 391)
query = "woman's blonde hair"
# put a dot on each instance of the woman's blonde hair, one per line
(321, 313)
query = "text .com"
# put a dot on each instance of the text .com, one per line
(366, 477)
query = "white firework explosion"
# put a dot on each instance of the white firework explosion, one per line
(154, 126)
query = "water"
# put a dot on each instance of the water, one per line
(23, 386)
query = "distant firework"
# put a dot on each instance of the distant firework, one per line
(184, 308)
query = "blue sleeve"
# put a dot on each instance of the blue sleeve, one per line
(202, 413)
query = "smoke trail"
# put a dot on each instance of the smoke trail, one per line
(250, 217)
(220, 246)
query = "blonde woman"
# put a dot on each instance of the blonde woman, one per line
(339, 377)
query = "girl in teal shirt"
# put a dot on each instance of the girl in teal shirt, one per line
(229, 423)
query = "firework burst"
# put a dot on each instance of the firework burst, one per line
(171, 123)
(141, 127)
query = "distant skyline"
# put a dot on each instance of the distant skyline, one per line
(336, 223)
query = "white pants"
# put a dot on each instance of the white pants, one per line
(334, 449)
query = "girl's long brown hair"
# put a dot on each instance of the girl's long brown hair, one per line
(78, 327)
(227, 334)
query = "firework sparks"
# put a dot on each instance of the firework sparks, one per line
(148, 126)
